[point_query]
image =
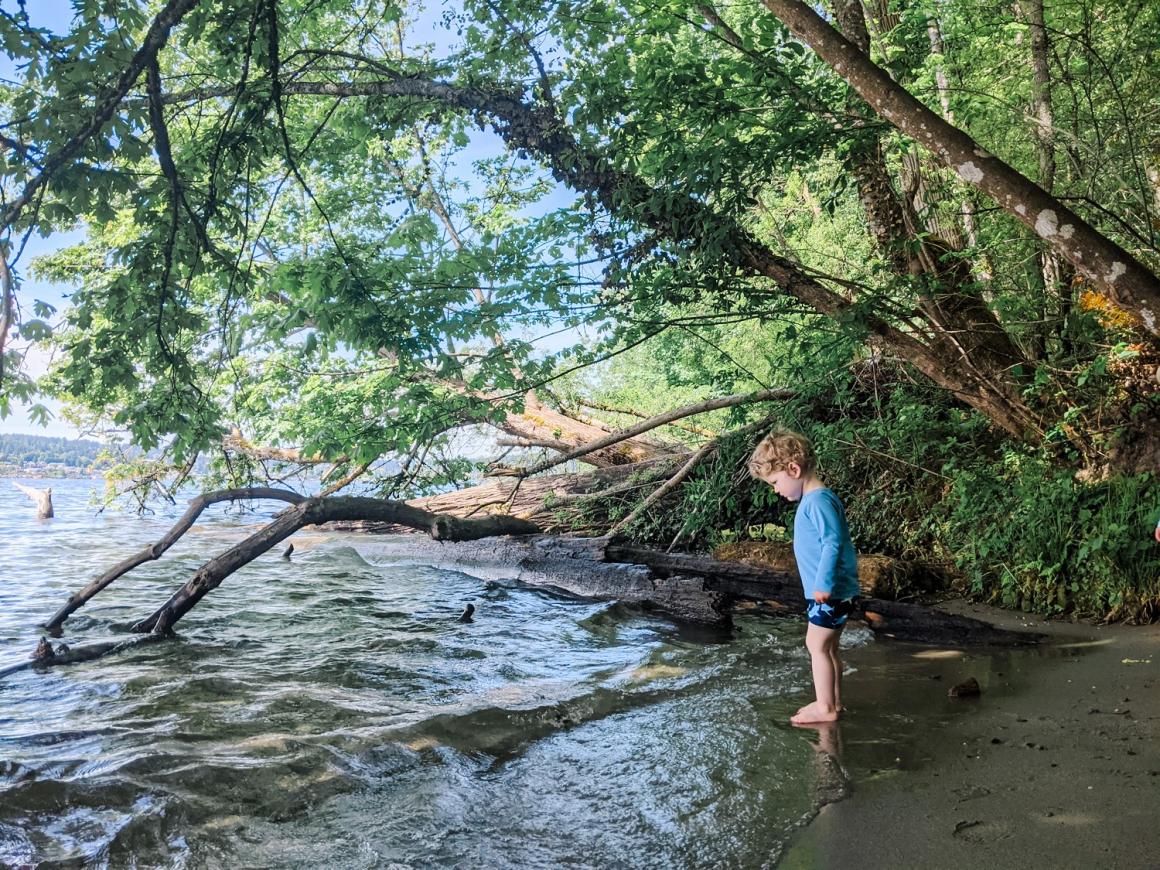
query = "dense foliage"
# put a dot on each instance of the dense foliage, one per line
(350, 229)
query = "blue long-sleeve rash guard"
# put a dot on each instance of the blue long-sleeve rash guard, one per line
(821, 544)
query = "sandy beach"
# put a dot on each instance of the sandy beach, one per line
(1055, 764)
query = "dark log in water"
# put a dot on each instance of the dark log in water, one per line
(575, 565)
(684, 586)
(72, 656)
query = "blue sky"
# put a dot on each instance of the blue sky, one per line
(56, 15)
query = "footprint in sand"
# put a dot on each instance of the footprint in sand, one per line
(976, 831)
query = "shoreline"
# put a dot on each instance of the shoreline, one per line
(1055, 764)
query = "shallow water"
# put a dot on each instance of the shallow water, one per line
(332, 711)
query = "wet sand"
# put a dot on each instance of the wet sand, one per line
(1056, 764)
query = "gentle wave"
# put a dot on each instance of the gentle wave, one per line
(332, 710)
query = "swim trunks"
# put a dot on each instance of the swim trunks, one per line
(832, 613)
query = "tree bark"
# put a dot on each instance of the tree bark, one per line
(688, 587)
(154, 551)
(1125, 280)
(304, 512)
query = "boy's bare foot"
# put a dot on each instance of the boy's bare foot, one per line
(814, 712)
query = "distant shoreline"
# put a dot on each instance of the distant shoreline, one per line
(38, 473)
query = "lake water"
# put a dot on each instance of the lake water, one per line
(331, 711)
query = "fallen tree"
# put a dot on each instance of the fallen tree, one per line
(303, 512)
(536, 498)
(688, 587)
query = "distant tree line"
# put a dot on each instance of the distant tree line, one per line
(33, 449)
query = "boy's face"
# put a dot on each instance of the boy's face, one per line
(787, 482)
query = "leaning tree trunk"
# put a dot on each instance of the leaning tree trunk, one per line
(675, 216)
(1126, 281)
(962, 327)
(304, 512)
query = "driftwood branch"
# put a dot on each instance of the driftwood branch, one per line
(684, 471)
(155, 550)
(313, 512)
(535, 499)
(86, 653)
(661, 420)
(304, 512)
(346, 480)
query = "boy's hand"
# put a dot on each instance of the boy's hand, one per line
(822, 597)
(1158, 533)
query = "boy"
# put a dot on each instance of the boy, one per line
(825, 557)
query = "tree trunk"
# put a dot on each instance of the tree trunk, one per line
(314, 512)
(1057, 275)
(963, 327)
(1125, 280)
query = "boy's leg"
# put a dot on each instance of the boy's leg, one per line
(836, 660)
(820, 643)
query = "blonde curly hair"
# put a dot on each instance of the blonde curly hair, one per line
(778, 450)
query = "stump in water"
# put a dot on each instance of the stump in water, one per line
(42, 497)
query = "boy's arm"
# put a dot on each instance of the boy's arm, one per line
(829, 528)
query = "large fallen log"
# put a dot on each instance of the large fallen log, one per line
(687, 587)
(531, 498)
